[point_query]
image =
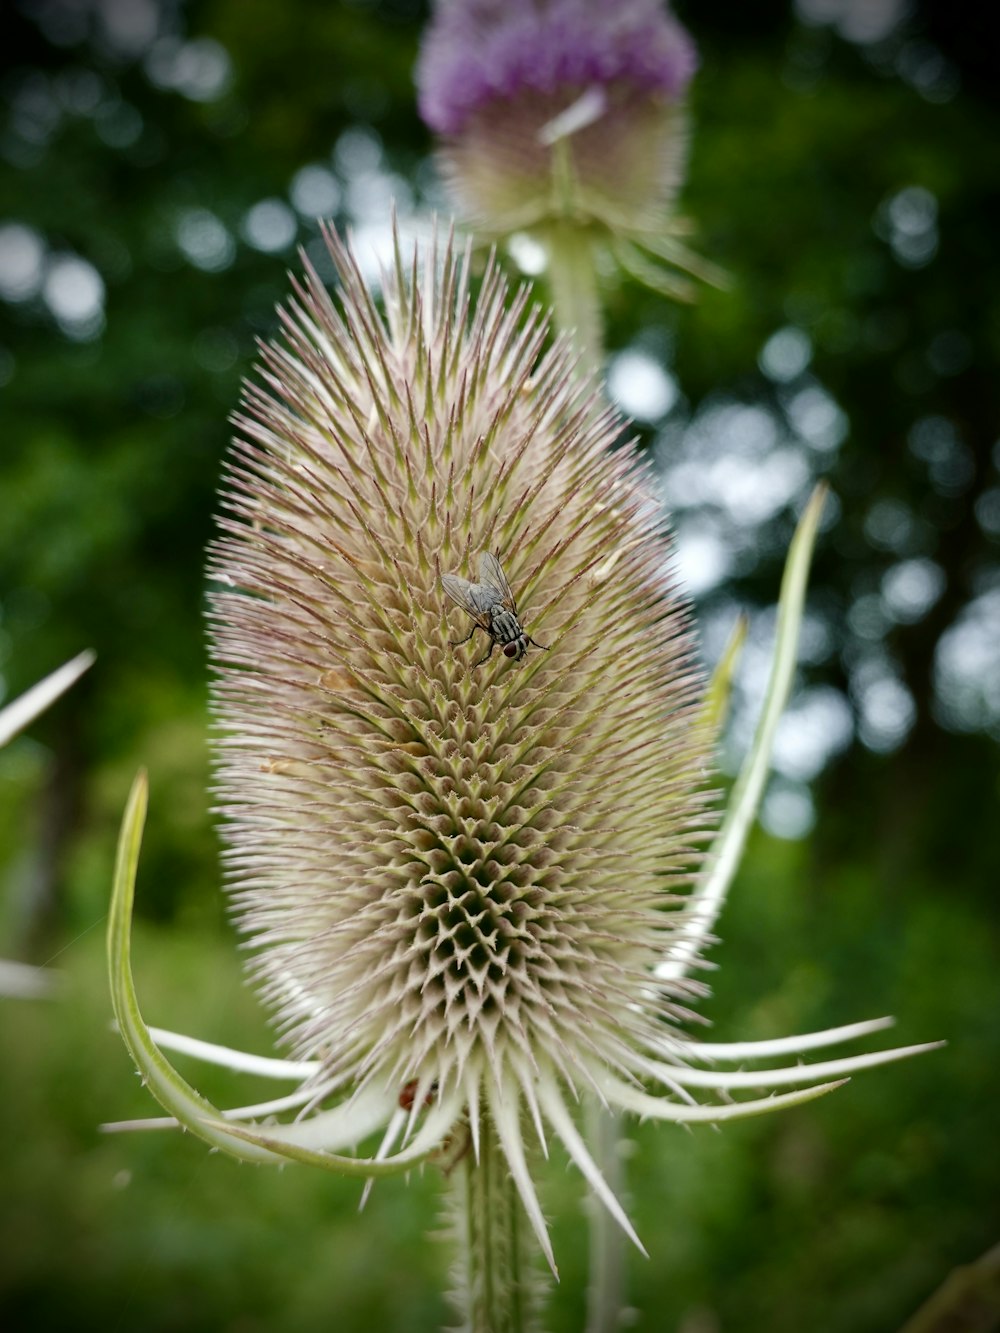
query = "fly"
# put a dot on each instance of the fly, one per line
(491, 605)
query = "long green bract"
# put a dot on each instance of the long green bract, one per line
(173, 1092)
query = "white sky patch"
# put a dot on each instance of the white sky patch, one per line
(748, 490)
(374, 247)
(817, 418)
(640, 386)
(913, 211)
(753, 673)
(358, 152)
(204, 240)
(736, 458)
(129, 25)
(885, 707)
(911, 588)
(270, 225)
(860, 21)
(754, 492)
(314, 191)
(727, 428)
(786, 354)
(22, 261)
(701, 556)
(988, 511)
(527, 253)
(74, 292)
(787, 810)
(199, 70)
(715, 626)
(966, 670)
(908, 221)
(817, 725)
(816, 640)
(371, 197)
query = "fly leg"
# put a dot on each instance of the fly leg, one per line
(493, 644)
(544, 647)
(456, 643)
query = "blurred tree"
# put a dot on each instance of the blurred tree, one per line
(155, 178)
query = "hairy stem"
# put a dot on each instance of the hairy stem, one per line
(606, 1291)
(498, 1285)
(573, 288)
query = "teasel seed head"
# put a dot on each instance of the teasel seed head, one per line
(463, 877)
(458, 882)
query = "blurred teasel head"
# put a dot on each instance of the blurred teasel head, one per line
(459, 882)
(565, 120)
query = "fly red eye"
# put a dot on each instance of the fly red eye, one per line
(510, 649)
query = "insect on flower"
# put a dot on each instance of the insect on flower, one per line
(491, 605)
(408, 1095)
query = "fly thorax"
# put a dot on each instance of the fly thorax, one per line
(504, 626)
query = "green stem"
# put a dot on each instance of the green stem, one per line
(573, 287)
(498, 1283)
(576, 304)
(606, 1291)
(969, 1299)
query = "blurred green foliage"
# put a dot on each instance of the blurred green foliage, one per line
(142, 155)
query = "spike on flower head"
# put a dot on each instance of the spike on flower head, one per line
(452, 875)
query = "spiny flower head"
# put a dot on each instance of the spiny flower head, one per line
(459, 881)
(454, 874)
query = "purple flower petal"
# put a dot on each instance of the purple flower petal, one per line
(480, 51)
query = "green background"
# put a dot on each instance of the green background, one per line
(842, 1215)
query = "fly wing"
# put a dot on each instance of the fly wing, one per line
(492, 575)
(469, 597)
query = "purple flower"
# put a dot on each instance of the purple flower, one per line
(479, 52)
(564, 120)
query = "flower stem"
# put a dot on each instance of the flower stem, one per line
(498, 1285)
(605, 1293)
(573, 288)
